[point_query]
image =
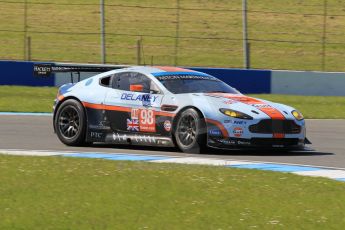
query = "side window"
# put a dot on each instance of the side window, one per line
(105, 81)
(140, 79)
(115, 81)
(123, 81)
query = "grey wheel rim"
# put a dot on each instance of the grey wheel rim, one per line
(69, 122)
(186, 131)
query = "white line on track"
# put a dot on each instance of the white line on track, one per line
(333, 174)
(314, 171)
(197, 160)
(202, 161)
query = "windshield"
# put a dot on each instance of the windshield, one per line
(178, 84)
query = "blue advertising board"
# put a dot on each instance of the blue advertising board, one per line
(246, 81)
(21, 73)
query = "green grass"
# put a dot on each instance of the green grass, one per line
(27, 99)
(207, 38)
(67, 193)
(40, 99)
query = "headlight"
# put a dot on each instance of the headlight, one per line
(298, 115)
(235, 114)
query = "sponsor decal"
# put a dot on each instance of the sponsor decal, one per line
(243, 142)
(101, 125)
(229, 102)
(135, 114)
(145, 118)
(232, 141)
(261, 106)
(145, 98)
(239, 122)
(136, 138)
(167, 125)
(227, 142)
(185, 77)
(133, 125)
(227, 121)
(119, 137)
(215, 132)
(237, 132)
(96, 135)
(147, 103)
(143, 138)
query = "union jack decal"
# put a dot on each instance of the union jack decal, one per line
(133, 125)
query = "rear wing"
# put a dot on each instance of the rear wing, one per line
(49, 69)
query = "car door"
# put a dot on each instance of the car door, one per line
(132, 103)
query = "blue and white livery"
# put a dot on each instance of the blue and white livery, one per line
(170, 106)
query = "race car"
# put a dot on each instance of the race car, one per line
(171, 106)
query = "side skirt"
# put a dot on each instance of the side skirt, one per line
(126, 138)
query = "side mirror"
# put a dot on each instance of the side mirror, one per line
(136, 88)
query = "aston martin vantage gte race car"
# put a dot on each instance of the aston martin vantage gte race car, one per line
(170, 106)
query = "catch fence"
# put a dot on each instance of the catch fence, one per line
(299, 35)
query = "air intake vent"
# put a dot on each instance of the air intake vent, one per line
(275, 126)
(169, 108)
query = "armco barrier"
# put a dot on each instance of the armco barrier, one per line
(246, 81)
(21, 73)
(308, 83)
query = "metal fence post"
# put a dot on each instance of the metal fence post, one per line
(25, 28)
(245, 36)
(324, 35)
(29, 49)
(103, 51)
(139, 51)
(177, 34)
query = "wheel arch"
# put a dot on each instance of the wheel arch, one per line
(181, 111)
(202, 137)
(65, 99)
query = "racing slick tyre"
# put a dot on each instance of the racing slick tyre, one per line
(70, 123)
(190, 132)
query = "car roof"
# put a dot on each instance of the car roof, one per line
(164, 70)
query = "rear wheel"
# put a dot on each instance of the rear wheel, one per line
(70, 123)
(190, 132)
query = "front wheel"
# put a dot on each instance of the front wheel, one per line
(190, 132)
(70, 123)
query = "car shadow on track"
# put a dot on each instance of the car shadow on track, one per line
(213, 152)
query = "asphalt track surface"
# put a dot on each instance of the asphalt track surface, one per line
(36, 133)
